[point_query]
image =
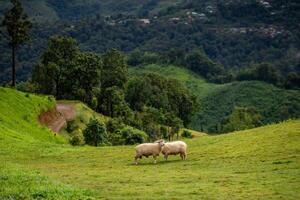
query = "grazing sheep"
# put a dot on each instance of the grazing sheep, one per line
(174, 148)
(148, 149)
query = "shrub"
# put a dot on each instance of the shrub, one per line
(186, 134)
(164, 132)
(71, 126)
(116, 138)
(133, 136)
(27, 86)
(114, 125)
(77, 139)
(95, 133)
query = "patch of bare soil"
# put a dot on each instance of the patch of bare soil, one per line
(57, 118)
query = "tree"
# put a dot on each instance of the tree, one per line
(87, 75)
(198, 62)
(242, 118)
(293, 80)
(113, 103)
(267, 72)
(18, 26)
(55, 73)
(133, 136)
(114, 70)
(166, 95)
(175, 123)
(95, 133)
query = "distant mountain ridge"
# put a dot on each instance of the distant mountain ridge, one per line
(233, 33)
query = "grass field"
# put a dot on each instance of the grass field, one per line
(262, 163)
(217, 101)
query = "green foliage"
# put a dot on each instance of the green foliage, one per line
(164, 132)
(113, 103)
(216, 102)
(95, 133)
(18, 26)
(235, 34)
(71, 126)
(27, 86)
(111, 100)
(198, 62)
(77, 139)
(30, 153)
(114, 124)
(86, 76)
(114, 70)
(241, 119)
(133, 136)
(293, 80)
(155, 91)
(186, 134)
(262, 72)
(54, 74)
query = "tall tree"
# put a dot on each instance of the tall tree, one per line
(55, 74)
(114, 69)
(114, 77)
(18, 26)
(87, 75)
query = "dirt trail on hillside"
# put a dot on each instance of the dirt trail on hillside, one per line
(57, 118)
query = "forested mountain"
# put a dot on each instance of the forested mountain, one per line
(236, 34)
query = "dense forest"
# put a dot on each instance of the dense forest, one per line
(236, 34)
(225, 43)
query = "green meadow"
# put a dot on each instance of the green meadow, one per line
(261, 163)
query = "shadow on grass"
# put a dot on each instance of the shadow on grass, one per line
(163, 162)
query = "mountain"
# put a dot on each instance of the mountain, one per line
(234, 33)
(218, 101)
(224, 166)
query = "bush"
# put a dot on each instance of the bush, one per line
(114, 125)
(27, 86)
(95, 133)
(77, 139)
(164, 132)
(71, 126)
(116, 138)
(186, 134)
(133, 136)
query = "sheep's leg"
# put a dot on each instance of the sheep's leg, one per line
(166, 156)
(154, 157)
(136, 160)
(182, 156)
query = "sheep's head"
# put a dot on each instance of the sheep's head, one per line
(160, 142)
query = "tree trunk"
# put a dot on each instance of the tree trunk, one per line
(13, 78)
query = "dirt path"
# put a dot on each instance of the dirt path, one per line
(57, 118)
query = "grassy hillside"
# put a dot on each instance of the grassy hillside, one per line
(83, 115)
(217, 101)
(22, 138)
(253, 164)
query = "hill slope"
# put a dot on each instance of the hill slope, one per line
(48, 11)
(253, 164)
(235, 34)
(217, 101)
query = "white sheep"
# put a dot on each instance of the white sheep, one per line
(174, 148)
(148, 149)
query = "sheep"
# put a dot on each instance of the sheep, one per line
(174, 148)
(148, 149)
